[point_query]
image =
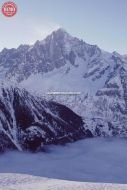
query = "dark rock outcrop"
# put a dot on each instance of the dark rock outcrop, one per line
(28, 122)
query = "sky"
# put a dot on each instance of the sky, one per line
(101, 22)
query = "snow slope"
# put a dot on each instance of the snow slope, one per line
(27, 182)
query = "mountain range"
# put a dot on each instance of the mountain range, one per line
(61, 63)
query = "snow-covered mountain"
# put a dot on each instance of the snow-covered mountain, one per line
(27, 122)
(63, 63)
(59, 63)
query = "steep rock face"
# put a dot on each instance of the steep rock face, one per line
(27, 122)
(60, 58)
(108, 109)
(44, 56)
(54, 52)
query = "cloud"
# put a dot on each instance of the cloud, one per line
(96, 160)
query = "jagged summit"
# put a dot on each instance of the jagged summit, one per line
(66, 59)
(58, 34)
(54, 52)
(60, 30)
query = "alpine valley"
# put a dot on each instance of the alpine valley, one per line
(59, 90)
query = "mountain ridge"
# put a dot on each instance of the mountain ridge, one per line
(62, 63)
(28, 122)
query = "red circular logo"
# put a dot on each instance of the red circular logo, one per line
(9, 9)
